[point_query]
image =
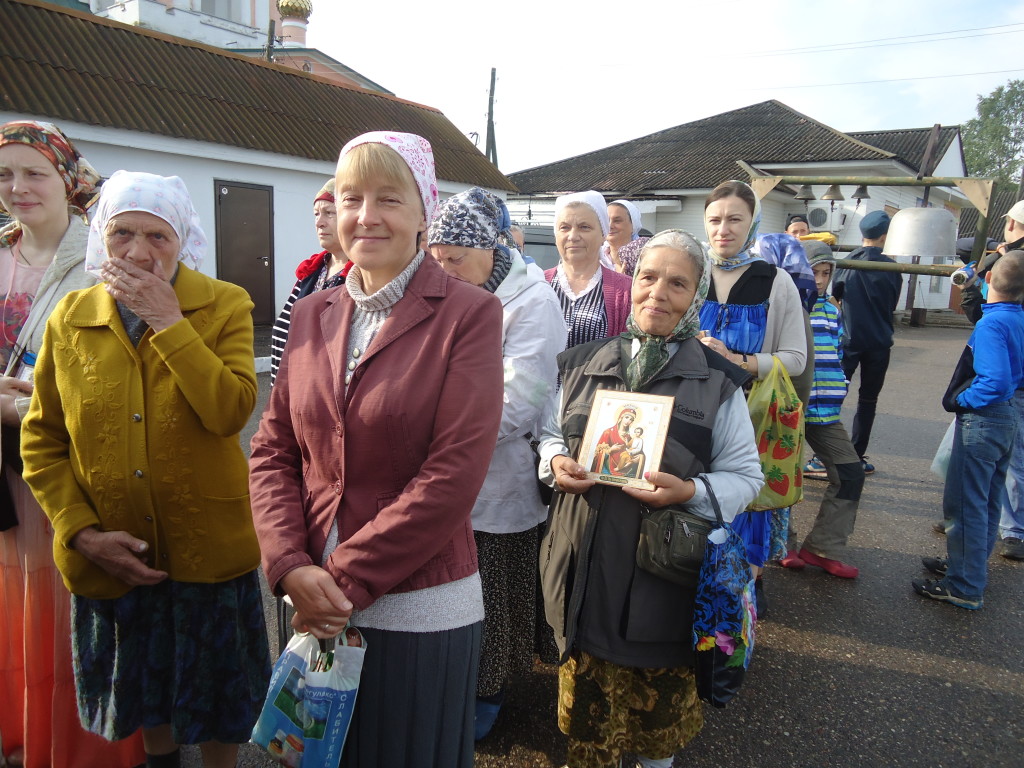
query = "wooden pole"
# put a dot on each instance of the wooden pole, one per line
(492, 146)
(270, 41)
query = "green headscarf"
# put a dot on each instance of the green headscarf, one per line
(653, 354)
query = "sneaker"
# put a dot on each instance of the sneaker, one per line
(815, 470)
(835, 567)
(1013, 548)
(937, 565)
(936, 590)
(939, 528)
(869, 468)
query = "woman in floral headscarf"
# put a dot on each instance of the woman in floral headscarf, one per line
(371, 455)
(46, 186)
(753, 314)
(131, 448)
(625, 635)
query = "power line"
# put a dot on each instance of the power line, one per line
(884, 42)
(891, 80)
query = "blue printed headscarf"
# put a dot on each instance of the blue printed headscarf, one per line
(473, 219)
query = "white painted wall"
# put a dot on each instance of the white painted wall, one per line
(295, 182)
(181, 21)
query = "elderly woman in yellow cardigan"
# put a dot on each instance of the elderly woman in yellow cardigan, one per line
(131, 448)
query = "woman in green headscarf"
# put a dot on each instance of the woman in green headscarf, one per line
(625, 635)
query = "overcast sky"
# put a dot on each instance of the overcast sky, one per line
(573, 77)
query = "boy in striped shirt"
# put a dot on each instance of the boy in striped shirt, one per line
(826, 435)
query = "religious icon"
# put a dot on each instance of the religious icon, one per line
(625, 437)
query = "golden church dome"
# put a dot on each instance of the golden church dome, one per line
(300, 9)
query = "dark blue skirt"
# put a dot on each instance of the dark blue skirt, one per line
(194, 656)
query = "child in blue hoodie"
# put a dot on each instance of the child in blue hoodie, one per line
(990, 371)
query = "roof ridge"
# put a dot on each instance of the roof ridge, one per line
(906, 130)
(211, 49)
(834, 131)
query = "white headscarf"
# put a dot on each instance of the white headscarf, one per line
(591, 199)
(634, 216)
(163, 196)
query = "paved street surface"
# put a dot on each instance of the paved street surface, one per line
(850, 673)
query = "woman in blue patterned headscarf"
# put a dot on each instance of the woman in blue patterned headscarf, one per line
(465, 239)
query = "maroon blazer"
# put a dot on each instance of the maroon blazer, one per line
(400, 458)
(618, 297)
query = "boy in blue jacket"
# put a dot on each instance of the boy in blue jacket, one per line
(990, 371)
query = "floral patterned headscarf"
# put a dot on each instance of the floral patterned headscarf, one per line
(417, 154)
(653, 354)
(79, 177)
(744, 255)
(165, 197)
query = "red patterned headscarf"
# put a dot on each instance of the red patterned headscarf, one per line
(80, 178)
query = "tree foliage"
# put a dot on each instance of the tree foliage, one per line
(994, 140)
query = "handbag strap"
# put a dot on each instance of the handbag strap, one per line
(714, 499)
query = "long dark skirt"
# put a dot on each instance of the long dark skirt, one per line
(191, 655)
(416, 701)
(508, 571)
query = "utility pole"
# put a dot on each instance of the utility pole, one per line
(270, 40)
(492, 147)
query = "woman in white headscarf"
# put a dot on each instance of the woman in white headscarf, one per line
(595, 299)
(131, 447)
(624, 224)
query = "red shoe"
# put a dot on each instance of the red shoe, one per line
(836, 568)
(792, 560)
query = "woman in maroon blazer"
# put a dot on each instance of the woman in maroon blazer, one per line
(370, 456)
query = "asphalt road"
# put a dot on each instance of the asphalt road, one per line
(856, 673)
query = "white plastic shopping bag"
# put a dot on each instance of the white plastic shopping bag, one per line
(311, 700)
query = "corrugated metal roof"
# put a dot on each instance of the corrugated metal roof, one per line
(909, 144)
(1005, 197)
(700, 154)
(69, 65)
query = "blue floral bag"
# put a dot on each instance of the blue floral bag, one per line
(723, 619)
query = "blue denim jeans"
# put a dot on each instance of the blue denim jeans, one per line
(1011, 521)
(974, 494)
